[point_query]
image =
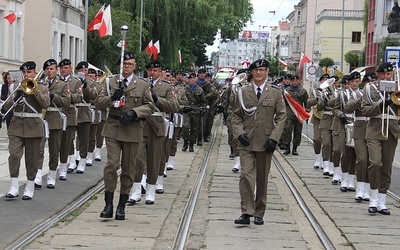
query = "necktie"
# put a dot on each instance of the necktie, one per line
(258, 93)
(125, 82)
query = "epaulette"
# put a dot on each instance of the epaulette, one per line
(275, 86)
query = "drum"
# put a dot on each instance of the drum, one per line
(349, 135)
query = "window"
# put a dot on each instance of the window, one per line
(356, 37)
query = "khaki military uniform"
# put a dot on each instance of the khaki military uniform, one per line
(265, 123)
(315, 121)
(124, 138)
(178, 118)
(381, 150)
(96, 121)
(26, 130)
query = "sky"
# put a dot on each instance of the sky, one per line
(262, 16)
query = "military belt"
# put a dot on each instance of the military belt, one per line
(327, 113)
(54, 109)
(361, 118)
(72, 105)
(83, 104)
(25, 115)
(163, 114)
(115, 117)
(385, 116)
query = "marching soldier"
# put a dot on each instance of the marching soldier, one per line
(85, 116)
(382, 113)
(258, 121)
(360, 143)
(191, 126)
(57, 121)
(292, 124)
(123, 131)
(99, 141)
(67, 138)
(211, 95)
(26, 132)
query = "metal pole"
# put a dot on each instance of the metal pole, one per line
(341, 54)
(85, 38)
(141, 25)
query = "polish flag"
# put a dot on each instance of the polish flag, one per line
(156, 49)
(102, 22)
(303, 59)
(282, 63)
(148, 48)
(11, 18)
(179, 56)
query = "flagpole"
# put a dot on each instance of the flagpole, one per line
(141, 25)
(85, 39)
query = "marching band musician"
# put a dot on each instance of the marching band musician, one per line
(26, 131)
(67, 138)
(341, 150)
(258, 120)
(381, 146)
(360, 143)
(324, 105)
(123, 131)
(312, 101)
(99, 141)
(292, 124)
(155, 131)
(85, 116)
(57, 121)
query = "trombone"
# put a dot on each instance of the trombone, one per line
(28, 86)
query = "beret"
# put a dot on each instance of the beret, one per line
(82, 65)
(49, 63)
(369, 76)
(29, 65)
(385, 67)
(259, 63)
(64, 62)
(324, 76)
(153, 64)
(354, 75)
(91, 71)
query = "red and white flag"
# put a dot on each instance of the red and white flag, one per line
(148, 48)
(156, 49)
(282, 63)
(303, 59)
(179, 56)
(11, 18)
(102, 22)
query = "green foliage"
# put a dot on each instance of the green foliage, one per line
(188, 25)
(326, 62)
(352, 58)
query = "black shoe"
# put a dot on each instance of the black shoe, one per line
(132, 202)
(70, 170)
(358, 199)
(185, 146)
(244, 219)
(164, 175)
(120, 212)
(351, 189)
(335, 181)
(89, 164)
(343, 189)
(169, 169)
(143, 190)
(287, 151)
(365, 199)
(235, 170)
(26, 198)
(316, 167)
(372, 210)
(38, 186)
(50, 186)
(62, 178)
(159, 191)
(231, 156)
(97, 159)
(258, 221)
(191, 147)
(294, 151)
(149, 202)
(384, 211)
(80, 172)
(10, 196)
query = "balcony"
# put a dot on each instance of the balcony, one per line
(329, 14)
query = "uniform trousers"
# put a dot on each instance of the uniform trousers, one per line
(292, 127)
(255, 167)
(54, 143)
(191, 127)
(120, 152)
(16, 149)
(208, 121)
(174, 141)
(83, 133)
(317, 135)
(153, 152)
(338, 145)
(92, 138)
(67, 139)
(232, 141)
(381, 155)
(326, 136)
(99, 137)
(165, 154)
(361, 165)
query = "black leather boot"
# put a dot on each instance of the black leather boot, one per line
(287, 151)
(108, 209)
(185, 145)
(294, 151)
(120, 213)
(231, 155)
(191, 147)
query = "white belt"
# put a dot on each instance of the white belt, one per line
(327, 113)
(159, 114)
(54, 109)
(24, 114)
(72, 106)
(83, 104)
(385, 116)
(349, 115)
(93, 106)
(361, 118)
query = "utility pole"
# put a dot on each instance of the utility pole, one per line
(85, 38)
(341, 54)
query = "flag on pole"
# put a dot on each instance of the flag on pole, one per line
(11, 18)
(303, 59)
(156, 49)
(179, 56)
(102, 22)
(148, 48)
(282, 63)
